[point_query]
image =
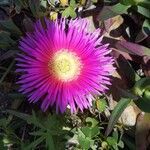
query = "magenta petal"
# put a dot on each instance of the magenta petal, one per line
(40, 82)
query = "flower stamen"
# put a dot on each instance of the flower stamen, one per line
(65, 65)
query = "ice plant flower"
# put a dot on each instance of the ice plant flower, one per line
(62, 64)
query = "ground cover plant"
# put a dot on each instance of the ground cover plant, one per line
(74, 75)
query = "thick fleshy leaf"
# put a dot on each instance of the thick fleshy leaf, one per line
(145, 32)
(132, 48)
(144, 11)
(112, 11)
(146, 26)
(131, 76)
(116, 113)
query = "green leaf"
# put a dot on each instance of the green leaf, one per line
(43, 3)
(128, 2)
(69, 11)
(143, 104)
(35, 143)
(111, 141)
(18, 114)
(49, 142)
(85, 143)
(101, 104)
(146, 26)
(66, 13)
(112, 11)
(116, 113)
(90, 132)
(92, 121)
(38, 133)
(31, 119)
(121, 144)
(73, 3)
(72, 13)
(8, 25)
(141, 85)
(115, 135)
(131, 76)
(144, 11)
(145, 31)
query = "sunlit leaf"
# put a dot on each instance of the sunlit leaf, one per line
(146, 26)
(111, 141)
(145, 31)
(85, 142)
(144, 11)
(127, 2)
(116, 113)
(132, 48)
(101, 104)
(69, 11)
(90, 132)
(93, 122)
(112, 11)
(141, 85)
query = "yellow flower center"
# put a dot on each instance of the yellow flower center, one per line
(65, 65)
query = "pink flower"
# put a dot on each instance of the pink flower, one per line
(63, 64)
